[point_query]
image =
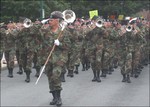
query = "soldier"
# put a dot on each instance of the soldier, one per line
(94, 47)
(74, 54)
(108, 51)
(144, 60)
(139, 41)
(126, 50)
(11, 35)
(84, 58)
(19, 27)
(112, 38)
(22, 47)
(28, 46)
(59, 56)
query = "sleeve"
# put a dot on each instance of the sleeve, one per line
(65, 42)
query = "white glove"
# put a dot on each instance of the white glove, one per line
(56, 42)
(44, 21)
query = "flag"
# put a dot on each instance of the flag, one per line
(93, 13)
(120, 17)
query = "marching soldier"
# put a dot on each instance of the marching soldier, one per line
(19, 28)
(84, 58)
(94, 47)
(11, 35)
(126, 49)
(137, 42)
(74, 54)
(28, 46)
(59, 56)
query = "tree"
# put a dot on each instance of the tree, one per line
(13, 9)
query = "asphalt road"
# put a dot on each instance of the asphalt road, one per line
(77, 91)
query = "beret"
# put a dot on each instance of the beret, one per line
(56, 15)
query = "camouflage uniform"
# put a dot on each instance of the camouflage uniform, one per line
(28, 46)
(17, 42)
(139, 42)
(93, 49)
(84, 58)
(145, 47)
(74, 52)
(126, 49)
(57, 60)
(112, 45)
(11, 35)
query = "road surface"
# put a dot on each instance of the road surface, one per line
(77, 91)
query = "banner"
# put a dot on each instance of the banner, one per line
(120, 17)
(93, 13)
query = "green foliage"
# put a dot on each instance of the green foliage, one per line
(13, 9)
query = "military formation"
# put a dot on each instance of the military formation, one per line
(102, 45)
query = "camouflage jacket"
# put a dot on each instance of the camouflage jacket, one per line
(59, 55)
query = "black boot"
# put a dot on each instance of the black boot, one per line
(53, 102)
(109, 71)
(124, 78)
(27, 76)
(10, 72)
(37, 72)
(76, 69)
(136, 73)
(62, 77)
(20, 70)
(70, 73)
(132, 73)
(103, 73)
(88, 65)
(98, 76)
(128, 79)
(83, 67)
(94, 78)
(115, 63)
(58, 97)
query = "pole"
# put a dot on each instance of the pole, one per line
(42, 10)
(48, 58)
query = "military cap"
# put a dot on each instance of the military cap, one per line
(56, 15)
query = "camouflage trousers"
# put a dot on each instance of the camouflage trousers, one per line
(136, 56)
(95, 58)
(125, 62)
(10, 57)
(105, 60)
(73, 59)
(145, 54)
(84, 58)
(26, 58)
(111, 58)
(53, 72)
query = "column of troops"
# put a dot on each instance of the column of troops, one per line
(103, 48)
